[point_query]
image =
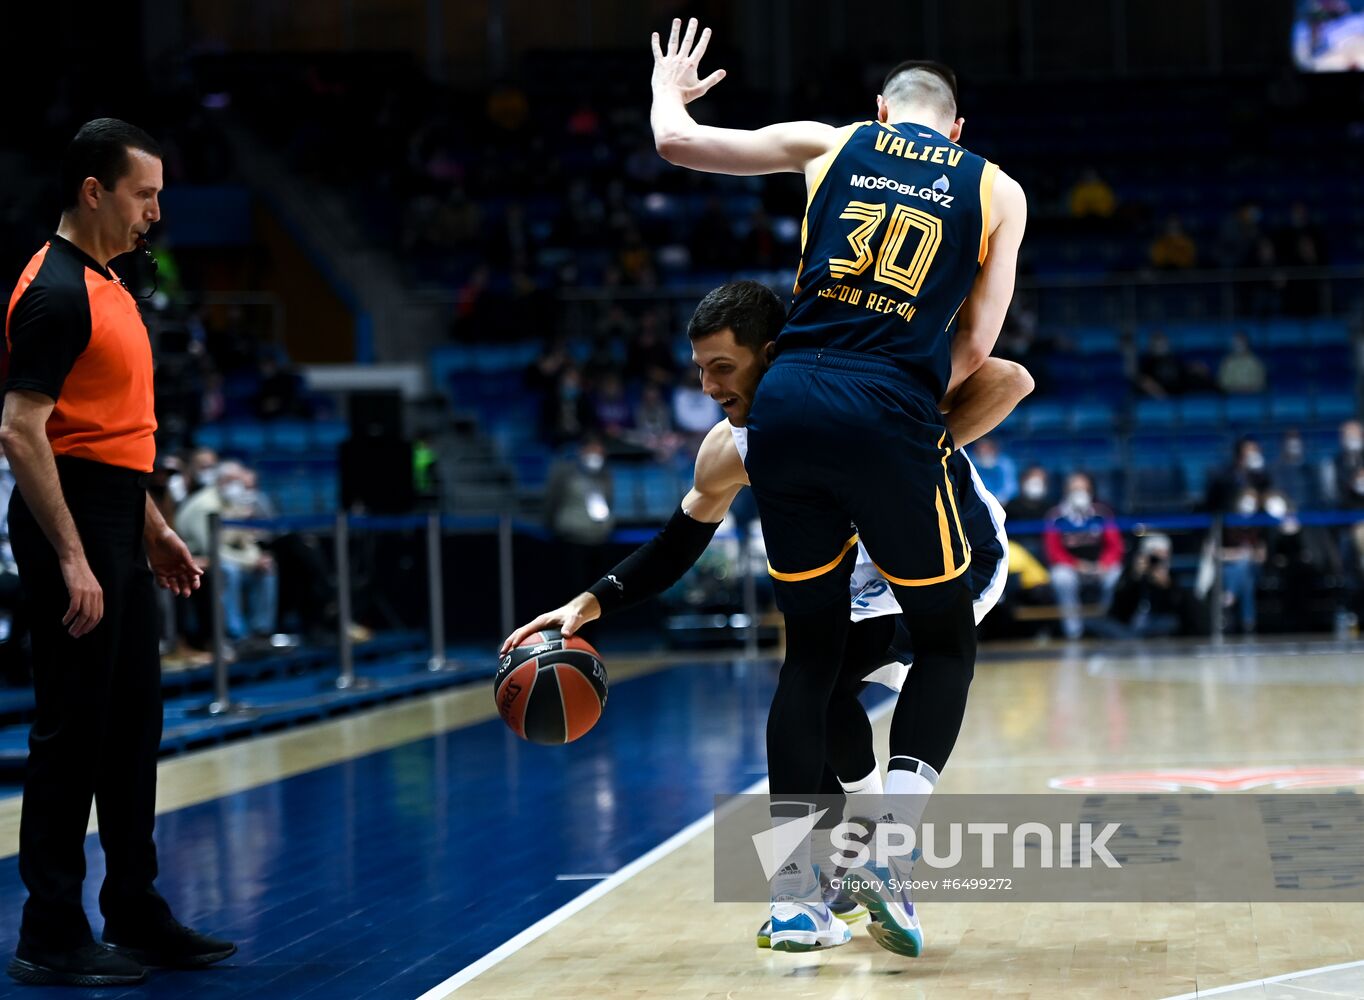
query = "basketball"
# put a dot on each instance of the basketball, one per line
(551, 689)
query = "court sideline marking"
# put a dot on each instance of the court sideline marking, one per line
(218, 771)
(1199, 994)
(617, 879)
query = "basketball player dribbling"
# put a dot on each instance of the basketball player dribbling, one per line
(908, 255)
(732, 333)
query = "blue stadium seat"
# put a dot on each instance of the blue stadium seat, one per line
(1289, 408)
(1155, 413)
(1092, 416)
(1156, 487)
(247, 437)
(1321, 332)
(1285, 333)
(289, 435)
(210, 436)
(1244, 410)
(1043, 416)
(1335, 407)
(1200, 411)
(329, 434)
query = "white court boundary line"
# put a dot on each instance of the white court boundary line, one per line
(1199, 994)
(548, 922)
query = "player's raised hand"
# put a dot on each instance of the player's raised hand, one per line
(676, 69)
(567, 619)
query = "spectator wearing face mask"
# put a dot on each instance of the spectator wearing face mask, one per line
(997, 470)
(579, 507)
(1243, 553)
(1292, 475)
(250, 587)
(1033, 501)
(1084, 550)
(1247, 471)
(1340, 472)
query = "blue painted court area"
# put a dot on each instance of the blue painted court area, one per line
(384, 875)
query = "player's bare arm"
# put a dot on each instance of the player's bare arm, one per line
(23, 432)
(660, 562)
(982, 314)
(985, 400)
(785, 147)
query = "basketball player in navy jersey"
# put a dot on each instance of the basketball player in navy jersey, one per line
(732, 333)
(908, 255)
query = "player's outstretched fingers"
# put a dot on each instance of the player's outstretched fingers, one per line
(520, 635)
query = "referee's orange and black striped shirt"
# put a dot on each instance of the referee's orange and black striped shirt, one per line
(74, 333)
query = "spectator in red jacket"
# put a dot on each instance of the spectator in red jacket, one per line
(1083, 547)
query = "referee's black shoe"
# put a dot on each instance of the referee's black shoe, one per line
(89, 964)
(166, 944)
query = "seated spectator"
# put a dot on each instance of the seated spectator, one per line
(1241, 371)
(759, 249)
(1303, 559)
(1246, 472)
(1084, 548)
(1240, 239)
(610, 407)
(566, 413)
(997, 470)
(1033, 501)
(1174, 249)
(280, 393)
(694, 413)
(1301, 243)
(1243, 553)
(580, 508)
(250, 590)
(648, 357)
(1149, 601)
(654, 423)
(712, 242)
(1162, 373)
(1292, 475)
(1339, 473)
(203, 469)
(1091, 197)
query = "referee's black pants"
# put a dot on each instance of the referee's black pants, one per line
(98, 723)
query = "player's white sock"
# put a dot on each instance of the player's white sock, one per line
(909, 782)
(796, 877)
(870, 785)
(822, 850)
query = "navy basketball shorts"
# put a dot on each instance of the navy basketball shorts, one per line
(842, 445)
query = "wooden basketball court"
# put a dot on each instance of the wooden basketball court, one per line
(659, 935)
(422, 850)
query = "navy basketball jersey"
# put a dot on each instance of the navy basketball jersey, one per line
(895, 231)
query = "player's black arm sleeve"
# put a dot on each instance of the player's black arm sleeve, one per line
(656, 565)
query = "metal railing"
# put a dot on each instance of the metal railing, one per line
(745, 626)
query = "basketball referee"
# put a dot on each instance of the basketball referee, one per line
(77, 426)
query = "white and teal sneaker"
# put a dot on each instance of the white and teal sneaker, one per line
(894, 924)
(802, 926)
(844, 907)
